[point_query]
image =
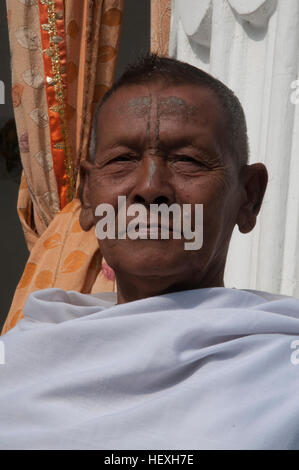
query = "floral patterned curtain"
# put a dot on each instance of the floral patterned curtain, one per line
(63, 57)
(160, 26)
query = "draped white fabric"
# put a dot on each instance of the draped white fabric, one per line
(212, 368)
(252, 46)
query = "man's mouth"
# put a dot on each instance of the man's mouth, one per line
(155, 231)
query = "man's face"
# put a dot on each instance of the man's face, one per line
(166, 144)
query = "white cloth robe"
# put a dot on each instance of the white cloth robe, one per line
(213, 368)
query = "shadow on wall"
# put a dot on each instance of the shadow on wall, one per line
(9, 152)
(135, 34)
(14, 251)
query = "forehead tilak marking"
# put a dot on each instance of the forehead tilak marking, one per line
(170, 106)
(141, 107)
(151, 151)
(138, 107)
(174, 105)
(148, 124)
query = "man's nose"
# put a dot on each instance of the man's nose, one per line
(152, 184)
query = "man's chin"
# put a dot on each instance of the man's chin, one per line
(150, 258)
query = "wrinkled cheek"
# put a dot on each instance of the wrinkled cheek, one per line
(213, 219)
(101, 192)
(107, 188)
(218, 225)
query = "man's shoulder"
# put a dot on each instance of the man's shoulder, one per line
(269, 295)
(56, 305)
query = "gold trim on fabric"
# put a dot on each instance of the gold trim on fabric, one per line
(56, 80)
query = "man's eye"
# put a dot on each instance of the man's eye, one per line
(188, 159)
(122, 158)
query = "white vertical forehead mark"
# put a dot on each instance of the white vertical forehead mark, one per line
(152, 171)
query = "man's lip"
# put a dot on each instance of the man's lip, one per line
(149, 227)
(154, 226)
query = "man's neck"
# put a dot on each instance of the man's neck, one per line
(131, 288)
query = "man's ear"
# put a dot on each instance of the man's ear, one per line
(86, 216)
(254, 179)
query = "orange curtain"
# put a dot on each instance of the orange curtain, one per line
(63, 58)
(66, 257)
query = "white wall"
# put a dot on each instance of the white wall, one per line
(253, 47)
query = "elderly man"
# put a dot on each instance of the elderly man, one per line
(177, 360)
